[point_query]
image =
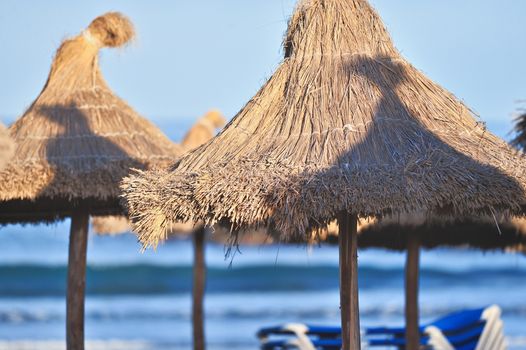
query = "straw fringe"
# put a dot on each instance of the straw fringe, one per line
(345, 123)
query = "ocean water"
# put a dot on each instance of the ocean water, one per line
(141, 301)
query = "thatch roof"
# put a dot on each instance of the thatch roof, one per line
(7, 146)
(119, 224)
(78, 139)
(481, 233)
(110, 225)
(345, 123)
(203, 130)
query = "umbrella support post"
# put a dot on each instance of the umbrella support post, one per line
(412, 335)
(198, 288)
(350, 317)
(78, 243)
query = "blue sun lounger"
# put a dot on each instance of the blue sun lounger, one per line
(478, 329)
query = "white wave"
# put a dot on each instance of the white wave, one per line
(23, 245)
(60, 345)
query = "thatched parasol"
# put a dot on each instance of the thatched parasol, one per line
(203, 130)
(413, 232)
(345, 127)
(110, 225)
(7, 147)
(483, 233)
(78, 139)
(119, 224)
(73, 146)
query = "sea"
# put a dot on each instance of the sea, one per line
(141, 300)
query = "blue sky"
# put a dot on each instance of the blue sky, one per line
(193, 55)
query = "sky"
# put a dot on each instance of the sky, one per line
(194, 55)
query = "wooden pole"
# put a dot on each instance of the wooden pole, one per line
(78, 243)
(412, 335)
(347, 239)
(199, 281)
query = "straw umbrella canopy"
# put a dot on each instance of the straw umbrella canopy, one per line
(73, 146)
(345, 127)
(200, 133)
(203, 130)
(484, 233)
(78, 139)
(110, 225)
(411, 233)
(6, 147)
